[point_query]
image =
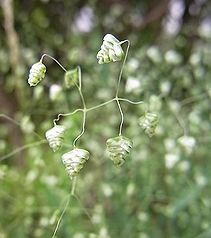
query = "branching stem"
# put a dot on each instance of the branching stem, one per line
(61, 216)
(73, 185)
(96, 107)
(118, 84)
(79, 87)
(86, 110)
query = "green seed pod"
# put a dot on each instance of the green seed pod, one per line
(74, 161)
(71, 77)
(149, 123)
(110, 50)
(118, 148)
(36, 73)
(55, 137)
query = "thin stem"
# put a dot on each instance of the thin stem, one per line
(79, 76)
(193, 98)
(83, 129)
(82, 97)
(72, 193)
(122, 42)
(180, 121)
(95, 107)
(129, 101)
(53, 60)
(118, 84)
(123, 64)
(84, 208)
(84, 110)
(74, 185)
(60, 218)
(122, 117)
(18, 124)
(100, 105)
(22, 148)
(66, 114)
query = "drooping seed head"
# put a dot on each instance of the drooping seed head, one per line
(118, 148)
(74, 161)
(110, 50)
(71, 77)
(149, 123)
(55, 137)
(36, 73)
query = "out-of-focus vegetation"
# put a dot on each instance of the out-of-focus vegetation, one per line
(163, 190)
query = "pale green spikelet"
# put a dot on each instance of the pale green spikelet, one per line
(110, 50)
(74, 161)
(36, 73)
(55, 137)
(71, 78)
(118, 148)
(149, 123)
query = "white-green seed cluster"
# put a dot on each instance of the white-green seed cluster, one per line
(55, 137)
(71, 78)
(36, 73)
(149, 123)
(118, 148)
(74, 161)
(110, 50)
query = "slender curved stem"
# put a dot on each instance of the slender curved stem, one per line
(118, 84)
(100, 105)
(83, 129)
(181, 123)
(60, 218)
(84, 109)
(71, 194)
(82, 97)
(66, 114)
(96, 107)
(123, 64)
(18, 124)
(53, 60)
(122, 117)
(79, 76)
(180, 120)
(85, 210)
(22, 148)
(194, 98)
(129, 101)
(122, 42)
(74, 185)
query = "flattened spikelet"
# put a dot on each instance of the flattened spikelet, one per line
(118, 149)
(55, 137)
(110, 50)
(149, 123)
(74, 161)
(36, 73)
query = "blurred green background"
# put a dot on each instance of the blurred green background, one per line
(163, 189)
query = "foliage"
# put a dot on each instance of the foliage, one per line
(162, 190)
